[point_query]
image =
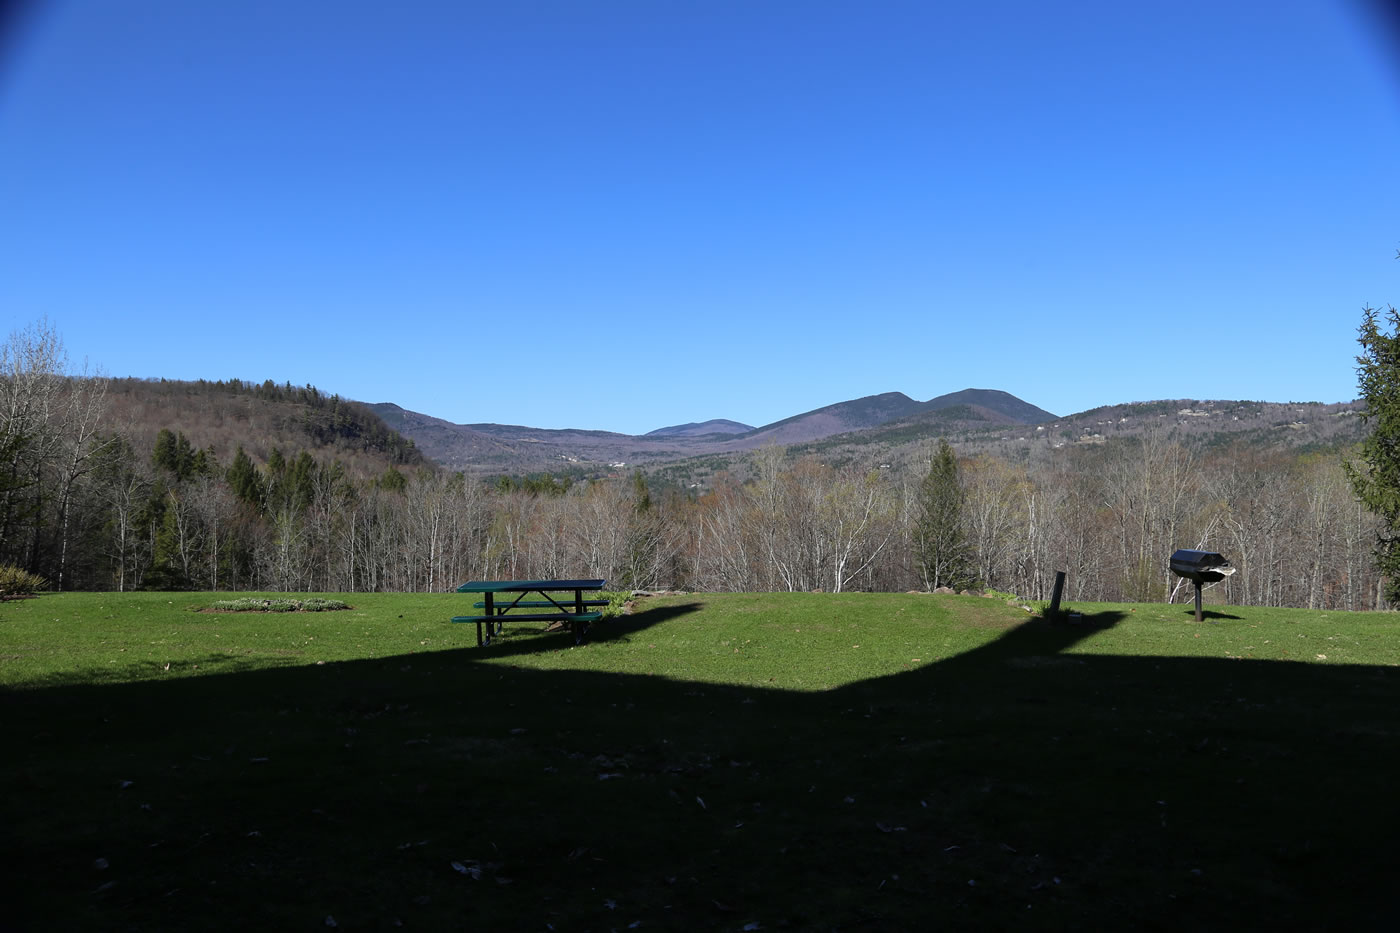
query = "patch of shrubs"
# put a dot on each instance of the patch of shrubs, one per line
(15, 582)
(248, 604)
(617, 603)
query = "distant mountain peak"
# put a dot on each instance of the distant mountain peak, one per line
(701, 428)
(996, 400)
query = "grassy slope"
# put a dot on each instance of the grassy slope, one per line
(805, 761)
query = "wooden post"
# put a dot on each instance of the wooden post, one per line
(1198, 601)
(1055, 596)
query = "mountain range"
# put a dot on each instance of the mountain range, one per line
(889, 429)
(513, 448)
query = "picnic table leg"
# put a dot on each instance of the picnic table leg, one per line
(580, 628)
(500, 626)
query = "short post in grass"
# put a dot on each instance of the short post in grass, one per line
(1056, 594)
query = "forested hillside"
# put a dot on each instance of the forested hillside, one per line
(223, 415)
(136, 483)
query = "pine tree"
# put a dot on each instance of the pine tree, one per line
(643, 537)
(175, 453)
(941, 548)
(392, 480)
(166, 571)
(1376, 479)
(163, 454)
(244, 480)
(641, 493)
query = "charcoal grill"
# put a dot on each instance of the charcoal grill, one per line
(1200, 567)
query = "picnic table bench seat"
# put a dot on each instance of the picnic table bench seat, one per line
(501, 607)
(578, 621)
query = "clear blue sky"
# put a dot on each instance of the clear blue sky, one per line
(677, 211)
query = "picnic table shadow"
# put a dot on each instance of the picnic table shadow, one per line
(530, 638)
(1023, 783)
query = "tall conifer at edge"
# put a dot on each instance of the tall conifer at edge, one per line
(939, 539)
(1376, 479)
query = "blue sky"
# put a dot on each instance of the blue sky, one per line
(675, 211)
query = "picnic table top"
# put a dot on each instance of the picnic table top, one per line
(528, 586)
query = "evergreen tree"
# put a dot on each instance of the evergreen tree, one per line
(167, 572)
(641, 493)
(163, 454)
(291, 483)
(1376, 479)
(176, 454)
(643, 537)
(244, 480)
(392, 481)
(941, 548)
(204, 463)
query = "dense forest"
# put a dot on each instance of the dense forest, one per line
(106, 484)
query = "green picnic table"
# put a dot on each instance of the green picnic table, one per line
(555, 604)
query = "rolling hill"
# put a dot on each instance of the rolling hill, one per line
(224, 415)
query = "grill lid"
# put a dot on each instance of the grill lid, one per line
(1200, 566)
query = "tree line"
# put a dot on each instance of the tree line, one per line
(83, 507)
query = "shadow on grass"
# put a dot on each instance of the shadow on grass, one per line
(530, 638)
(139, 670)
(1016, 785)
(1040, 636)
(1212, 614)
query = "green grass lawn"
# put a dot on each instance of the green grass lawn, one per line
(727, 762)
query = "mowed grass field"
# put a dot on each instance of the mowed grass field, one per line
(725, 762)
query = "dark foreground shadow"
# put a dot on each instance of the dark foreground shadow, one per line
(1022, 785)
